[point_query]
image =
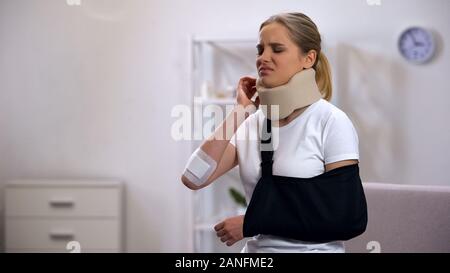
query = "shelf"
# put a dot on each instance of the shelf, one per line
(217, 65)
(225, 40)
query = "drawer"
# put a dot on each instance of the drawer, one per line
(62, 202)
(53, 235)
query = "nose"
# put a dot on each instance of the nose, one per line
(264, 57)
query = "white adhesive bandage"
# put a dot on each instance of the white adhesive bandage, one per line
(199, 167)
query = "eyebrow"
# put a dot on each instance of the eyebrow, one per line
(271, 44)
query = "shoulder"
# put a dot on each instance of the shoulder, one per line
(339, 136)
(326, 110)
(336, 126)
(330, 115)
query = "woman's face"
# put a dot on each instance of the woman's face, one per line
(278, 57)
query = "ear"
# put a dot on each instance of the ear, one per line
(310, 58)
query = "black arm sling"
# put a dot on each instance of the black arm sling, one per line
(328, 207)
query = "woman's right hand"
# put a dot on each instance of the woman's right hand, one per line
(245, 91)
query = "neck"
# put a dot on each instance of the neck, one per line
(291, 117)
(291, 98)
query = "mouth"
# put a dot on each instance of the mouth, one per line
(265, 71)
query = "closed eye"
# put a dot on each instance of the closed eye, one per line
(260, 50)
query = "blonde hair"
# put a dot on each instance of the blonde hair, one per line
(304, 33)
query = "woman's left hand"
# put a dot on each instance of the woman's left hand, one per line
(230, 230)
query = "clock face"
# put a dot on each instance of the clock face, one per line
(417, 45)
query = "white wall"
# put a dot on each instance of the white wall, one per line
(87, 91)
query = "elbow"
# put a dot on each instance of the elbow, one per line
(189, 184)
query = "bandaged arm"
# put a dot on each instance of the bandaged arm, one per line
(208, 162)
(328, 207)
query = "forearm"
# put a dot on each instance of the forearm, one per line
(217, 142)
(209, 157)
(204, 162)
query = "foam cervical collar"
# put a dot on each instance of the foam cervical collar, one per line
(300, 91)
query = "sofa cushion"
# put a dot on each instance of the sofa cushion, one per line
(405, 218)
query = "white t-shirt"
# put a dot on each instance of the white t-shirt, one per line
(322, 134)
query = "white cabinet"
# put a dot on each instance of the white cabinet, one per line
(217, 66)
(45, 215)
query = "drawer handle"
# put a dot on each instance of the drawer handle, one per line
(62, 234)
(61, 202)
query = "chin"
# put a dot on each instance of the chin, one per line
(267, 83)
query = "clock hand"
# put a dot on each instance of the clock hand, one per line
(412, 37)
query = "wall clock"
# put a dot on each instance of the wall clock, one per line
(417, 45)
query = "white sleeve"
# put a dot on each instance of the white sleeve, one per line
(233, 140)
(242, 132)
(340, 139)
(239, 132)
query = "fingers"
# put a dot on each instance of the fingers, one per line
(225, 238)
(219, 226)
(221, 233)
(249, 90)
(228, 239)
(248, 82)
(224, 235)
(230, 230)
(231, 242)
(246, 89)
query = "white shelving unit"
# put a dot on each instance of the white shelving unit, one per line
(217, 66)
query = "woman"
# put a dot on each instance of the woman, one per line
(314, 138)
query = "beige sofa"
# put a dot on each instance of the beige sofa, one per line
(405, 218)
